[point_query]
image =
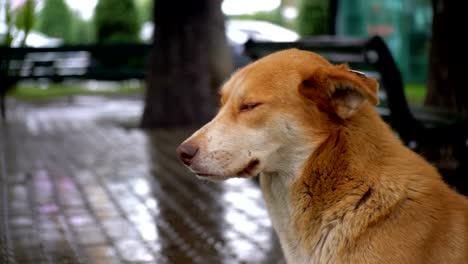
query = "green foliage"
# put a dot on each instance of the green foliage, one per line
(312, 18)
(145, 10)
(55, 20)
(25, 15)
(25, 18)
(8, 38)
(22, 18)
(415, 93)
(34, 92)
(82, 30)
(116, 21)
(273, 16)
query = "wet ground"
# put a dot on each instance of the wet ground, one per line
(80, 184)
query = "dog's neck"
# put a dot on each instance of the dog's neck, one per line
(344, 164)
(276, 188)
(312, 202)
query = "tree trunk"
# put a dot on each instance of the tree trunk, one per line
(332, 13)
(440, 92)
(450, 159)
(189, 60)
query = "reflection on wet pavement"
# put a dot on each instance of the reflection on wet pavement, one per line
(81, 188)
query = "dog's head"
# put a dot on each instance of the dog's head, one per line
(273, 115)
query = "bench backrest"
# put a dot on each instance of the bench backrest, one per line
(101, 62)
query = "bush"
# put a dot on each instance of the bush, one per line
(25, 15)
(55, 20)
(116, 21)
(83, 31)
(273, 16)
(313, 17)
(144, 10)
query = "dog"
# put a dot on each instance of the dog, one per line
(339, 186)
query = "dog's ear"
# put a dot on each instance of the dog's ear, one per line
(339, 89)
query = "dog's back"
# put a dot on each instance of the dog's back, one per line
(365, 198)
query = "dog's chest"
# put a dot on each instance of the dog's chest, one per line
(275, 192)
(325, 244)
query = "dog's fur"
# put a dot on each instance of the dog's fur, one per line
(339, 185)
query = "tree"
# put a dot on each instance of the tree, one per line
(21, 17)
(55, 20)
(25, 18)
(273, 16)
(83, 30)
(144, 8)
(190, 58)
(313, 17)
(440, 92)
(116, 21)
(449, 96)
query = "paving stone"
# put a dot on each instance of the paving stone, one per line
(90, 235)
(83, 189)
(133, 251)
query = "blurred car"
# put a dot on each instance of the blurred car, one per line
(35, 39)
(258, 30)
(238, 32)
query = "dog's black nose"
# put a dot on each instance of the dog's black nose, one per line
(187, 152)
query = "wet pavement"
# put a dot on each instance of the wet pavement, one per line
(80, 184)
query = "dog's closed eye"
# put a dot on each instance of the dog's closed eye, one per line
(248, 107)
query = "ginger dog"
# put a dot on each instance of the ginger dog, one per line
(339, 185)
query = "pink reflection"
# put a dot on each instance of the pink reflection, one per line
(45, 209)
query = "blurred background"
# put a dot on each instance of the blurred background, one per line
(95, 95)
(405, 26)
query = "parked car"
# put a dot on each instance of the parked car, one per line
(35, 39)
(238, 32)
(259, 31)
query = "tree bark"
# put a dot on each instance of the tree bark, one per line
(332, 13)
(189, 60)
(440, 92)
(450, 158)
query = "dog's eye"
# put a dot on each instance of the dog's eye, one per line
(248, 107)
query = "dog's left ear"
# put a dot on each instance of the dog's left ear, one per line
(340, 90)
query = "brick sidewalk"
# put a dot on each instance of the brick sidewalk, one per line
(81, 188)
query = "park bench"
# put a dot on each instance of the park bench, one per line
(419, 128)
(110, 62)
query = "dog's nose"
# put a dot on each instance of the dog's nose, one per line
(187, 152)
